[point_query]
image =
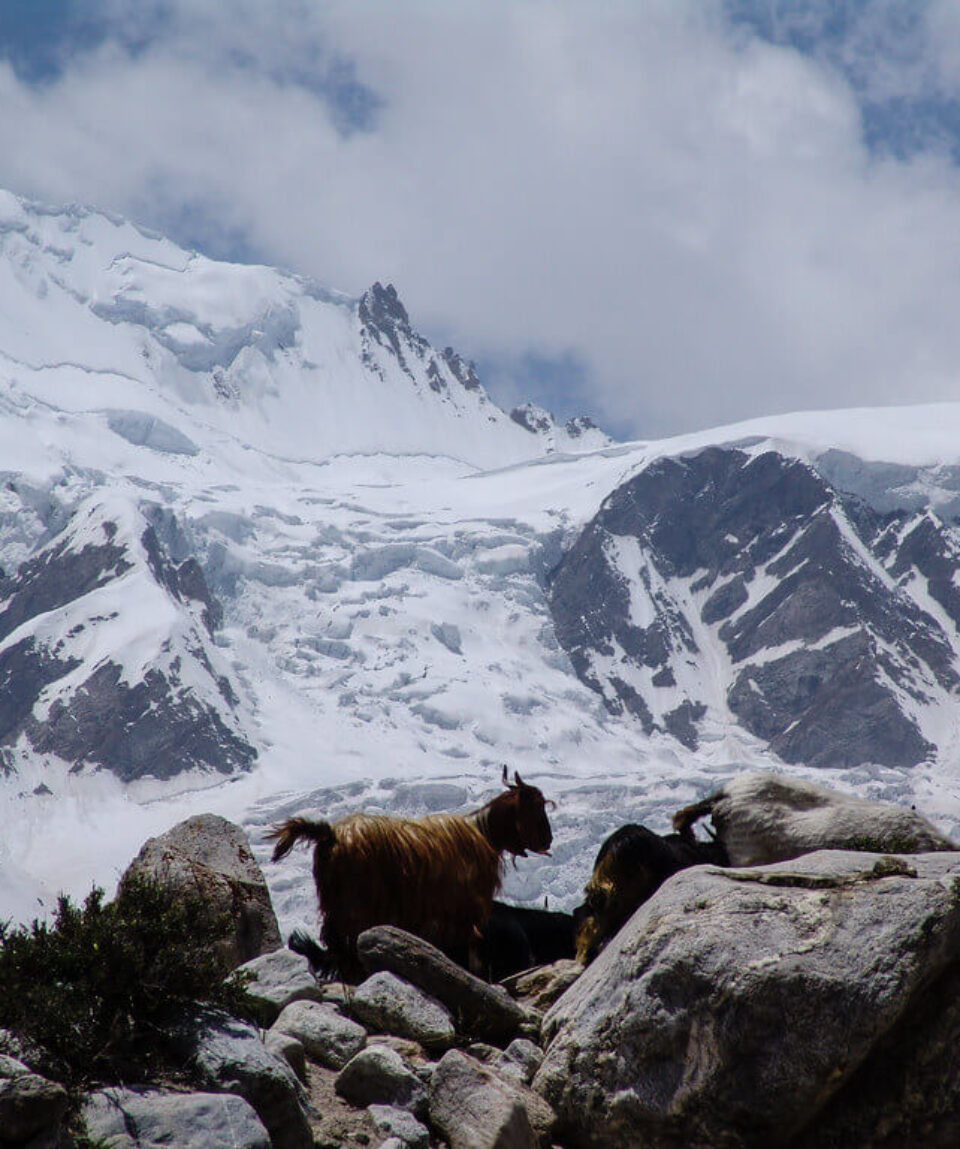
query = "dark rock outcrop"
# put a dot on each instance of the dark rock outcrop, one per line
(816, 605)
(156, 712)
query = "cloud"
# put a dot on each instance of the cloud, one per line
(683, 209)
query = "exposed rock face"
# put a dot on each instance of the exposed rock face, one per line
(812, 1003)
(830, 649)
(156, 704)
(210, 856)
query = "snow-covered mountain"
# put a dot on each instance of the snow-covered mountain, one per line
(265, 550)
(743, 585)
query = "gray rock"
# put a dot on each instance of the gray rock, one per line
(519, 1061)
(811, 1003)
(282, 977)
(387, 1003)
(29, 1103)
(475, 1108)
(209, 856)
(326, 1035)
(483, 1011)
(283, 1045)
(228, 1055)
(157, 725)
(378, 1075)
(391, 1122)
(152, 1119)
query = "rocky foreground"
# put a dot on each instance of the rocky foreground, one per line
(808, 1004)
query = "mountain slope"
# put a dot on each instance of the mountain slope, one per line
(832, 629)
(266, 551)
(106, 658)
(130, 333)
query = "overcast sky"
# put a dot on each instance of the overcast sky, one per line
(668, 214)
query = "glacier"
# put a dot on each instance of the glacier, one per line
(379, 535)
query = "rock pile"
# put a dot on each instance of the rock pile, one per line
(803, 1005)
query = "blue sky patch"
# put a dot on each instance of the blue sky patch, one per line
(882, 49)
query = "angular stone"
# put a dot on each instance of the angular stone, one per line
(378, 1075)
(283, 1045)
(209, 856)
(229, 1055)
(541, 987)
(475, 1108)
(387, 1003)
(483, 1011)
(391, 1122)
(29, 1103)
(152, 1119)
(282, 977)
(328, 1037)
(519, 1061)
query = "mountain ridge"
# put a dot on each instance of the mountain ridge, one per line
(357, 565)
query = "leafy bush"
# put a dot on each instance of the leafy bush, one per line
(103, 989)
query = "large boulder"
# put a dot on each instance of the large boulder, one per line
(386, 1003)
(483, 1011)
(328, 1037)
(153, 1119)
(30, 1105)
(228, 1056)
(811, 1003)
(280, 977)
(476, 1108)
(209, 856)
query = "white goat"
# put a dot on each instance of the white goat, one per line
(762, 818)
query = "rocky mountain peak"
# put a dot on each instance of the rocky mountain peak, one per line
(754, 554)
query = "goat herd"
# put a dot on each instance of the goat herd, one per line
(436, 876)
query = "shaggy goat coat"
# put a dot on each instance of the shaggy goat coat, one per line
(434, 876)
(763, 818)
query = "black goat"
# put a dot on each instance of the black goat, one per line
(630, 865)
(514, 938)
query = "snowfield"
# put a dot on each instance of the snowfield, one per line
(378, 544)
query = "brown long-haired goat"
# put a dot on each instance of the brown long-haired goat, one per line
(434, 876)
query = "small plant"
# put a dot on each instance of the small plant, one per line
(102, 990)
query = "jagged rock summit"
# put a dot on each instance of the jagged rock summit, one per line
(150, 333)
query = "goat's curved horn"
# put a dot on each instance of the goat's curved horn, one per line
(506, 777)
(517, 780)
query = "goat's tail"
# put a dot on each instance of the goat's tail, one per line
(323, 965)
(288, 833)
(684, 820)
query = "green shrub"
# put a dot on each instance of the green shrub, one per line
(102, 990)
